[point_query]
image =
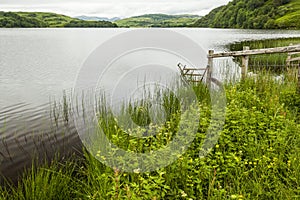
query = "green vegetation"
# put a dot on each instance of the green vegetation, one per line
(266, 43)
(43, 20)
(256, 157)
(273, 62)
(256, 14)
(158, 20)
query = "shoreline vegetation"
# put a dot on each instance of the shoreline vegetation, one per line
(256, 157)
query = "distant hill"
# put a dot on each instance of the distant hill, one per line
(254, 14)
(158, 20)
(42, 19)
(89, 18)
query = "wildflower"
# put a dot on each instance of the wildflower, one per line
(237, 158)
(137, 171)
(183, 194)
(217, 146)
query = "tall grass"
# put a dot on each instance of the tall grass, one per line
(256, 157)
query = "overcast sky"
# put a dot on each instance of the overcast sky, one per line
(113, 8)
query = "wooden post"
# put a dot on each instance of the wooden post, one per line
(288, 62)
(245, 63)
(210, 66)
(298, 89)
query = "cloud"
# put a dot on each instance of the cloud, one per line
(113, 8)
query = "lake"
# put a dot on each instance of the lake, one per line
(37, 65)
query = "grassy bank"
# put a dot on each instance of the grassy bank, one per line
(256, 157)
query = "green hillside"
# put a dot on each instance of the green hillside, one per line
(43, 20)
(158, 20)
(256, 14)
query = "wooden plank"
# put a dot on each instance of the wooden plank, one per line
(195, 81)
(294, 59)
(288, 49)
(294, 53)
(194, 69)
(194, 74)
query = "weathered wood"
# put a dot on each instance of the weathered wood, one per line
(191, 74)
(195, 81)
(245, 63)
(298, 89)
(288, 62)
(194, 74)
(294, 59)
(209, 66)
(291, 49)
(294, 53)
(217, 82)
(195, 69)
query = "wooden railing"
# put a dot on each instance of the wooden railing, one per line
(195, 75)
(291, 50)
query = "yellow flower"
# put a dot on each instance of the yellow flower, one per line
(183, 194)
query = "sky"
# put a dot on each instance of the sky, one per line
(113, 8)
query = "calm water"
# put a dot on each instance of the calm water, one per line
(36, 65)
